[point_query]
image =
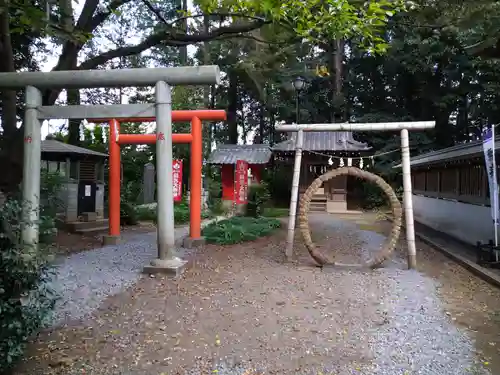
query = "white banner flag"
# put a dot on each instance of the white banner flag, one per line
(491, 170)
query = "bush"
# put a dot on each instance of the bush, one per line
(181, 213)
(239, 229)
(258, 197)
(373, 196)
(50, 205)
(276, 212)
(128, 214)
(46, 229)
(217, 207)
(50, 189)
(146, 212)
(214, 200)
(26, 300)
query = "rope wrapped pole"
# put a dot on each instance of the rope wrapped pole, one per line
(295, 194)
(407, 200)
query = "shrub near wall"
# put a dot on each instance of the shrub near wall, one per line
(147, 212)
(239, 229)
(26, 301)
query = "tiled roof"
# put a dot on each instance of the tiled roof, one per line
(53, 146)
(465, 150)
(323, 141)
(229, 154)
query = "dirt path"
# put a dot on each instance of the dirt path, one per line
(71, 243)
(470, 303)
(241, 308)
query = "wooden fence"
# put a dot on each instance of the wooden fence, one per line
(462, 182)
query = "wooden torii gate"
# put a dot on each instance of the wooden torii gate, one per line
(405, 151)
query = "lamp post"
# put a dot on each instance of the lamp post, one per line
(298, 85)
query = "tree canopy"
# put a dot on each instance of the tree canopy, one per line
(362, 60)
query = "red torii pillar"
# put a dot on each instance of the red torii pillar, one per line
(195, 138)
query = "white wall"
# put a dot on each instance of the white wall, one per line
(467, 222)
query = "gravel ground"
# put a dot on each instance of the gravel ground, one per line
(240, 308)
(83, 280)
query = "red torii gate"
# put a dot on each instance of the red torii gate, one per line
(195, 138)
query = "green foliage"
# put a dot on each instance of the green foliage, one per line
(128, 215)
(181, 213)
(214, 200)
(280, 185)
(146, 212)
(258, 197)
(239, 229)
(50, 204)
(26, 300)
(318, 20)
(276, 212)
(214, 188)
(217, 207)
(373, 196)
(50, 189)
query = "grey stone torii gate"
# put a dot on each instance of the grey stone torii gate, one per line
(161, 78)
(403, 127)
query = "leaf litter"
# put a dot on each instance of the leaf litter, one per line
(242, 310)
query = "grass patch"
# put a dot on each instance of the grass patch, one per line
(239, 229)
(275, 212)
(181, 213)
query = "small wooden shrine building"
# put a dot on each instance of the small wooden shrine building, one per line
(323, 151)
(257, 156)
(318, 149)
(82, 193)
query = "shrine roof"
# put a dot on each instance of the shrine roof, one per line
(53, 146)
(252, 154)
(323, 141)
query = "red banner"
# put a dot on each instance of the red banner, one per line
(177, 179)
(241, 181)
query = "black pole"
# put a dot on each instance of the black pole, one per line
(297, 119)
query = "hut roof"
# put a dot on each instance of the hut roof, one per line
(252, 154)
(53, 146)
(323, 141)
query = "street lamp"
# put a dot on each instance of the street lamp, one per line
(298, 84)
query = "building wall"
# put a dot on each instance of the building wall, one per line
(467, 222)
(227, 177)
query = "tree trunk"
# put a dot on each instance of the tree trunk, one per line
(274, 136)
(208, 129)
(11, 146)
(262, 122)
(74, 125)
(232, 108)
(338, 113)
(183, 50)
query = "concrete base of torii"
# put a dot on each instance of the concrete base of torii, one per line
(173, 267)
(110, 240)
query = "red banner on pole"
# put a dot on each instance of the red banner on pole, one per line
(177, 179)
(241, 177)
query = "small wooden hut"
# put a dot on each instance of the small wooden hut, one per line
(317, 149)
(257, 156)
(82, 192)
